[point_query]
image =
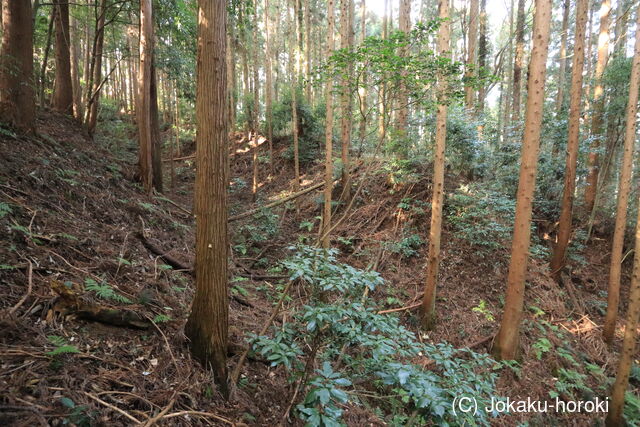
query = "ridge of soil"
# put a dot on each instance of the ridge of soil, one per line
(75, 214)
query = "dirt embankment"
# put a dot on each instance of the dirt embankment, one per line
(91, 330)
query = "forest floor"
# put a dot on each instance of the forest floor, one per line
(92, 320)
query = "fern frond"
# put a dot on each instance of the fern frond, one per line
(65, 349)
(56, 340)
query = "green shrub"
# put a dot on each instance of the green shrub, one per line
(366, 348)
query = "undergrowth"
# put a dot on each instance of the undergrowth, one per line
(363, 355)
(484, 218)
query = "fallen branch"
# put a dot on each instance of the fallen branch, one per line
(200, 414)
(169, 259)
(393, 310)
(166, 199)
(182, 266)
(69, 302)
(162, 413)
(29, 287)
(177, 159)
(278, 202)
(115, 408)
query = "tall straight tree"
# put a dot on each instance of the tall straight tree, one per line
(506, 344)
(482, 60)
(17, 102)
(382, 91)
(346, 42)
(622, 16)
(507, 71)
(268, 84)
(624, 185)
(293, 70)
(597, 116)
(404, 21)
(143, 109)
(75, 70)
(207, 327)
(575, 110)
(362, 91)
(156, 139)
(45, 58)
(614, 417)
(472, 42)
(307, 50)
(563, 54)
(95, 73)
(63, 93)
(255, 111)
(433, 260)
(518, 63)
(328, 134)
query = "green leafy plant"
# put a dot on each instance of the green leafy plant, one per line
(5, 209)
(320, 406)
(372, 348)
(482, 309)
(104, 291)
(78, 415)
(543, 345)
(148, 206)
(263, 228)
(632, 409)
(61, 346)
(569, 382)
(407, 247)
(162, 318)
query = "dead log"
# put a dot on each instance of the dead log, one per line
(278, 202)
(169, 259)
(70, 302)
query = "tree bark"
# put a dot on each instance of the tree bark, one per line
(615, 415)
(563, 55)
(575, 111)
(269, 84)
(45, 58)
(508, 95)
(255, 112)
(622, 16)
(346, 43)
(518, 62)
(328, 175)
(597, 117)
(624, 185)
(482, 62)
(207, 327)
(472, 38)
(75, 72)
(307, 50)
(143, 112)
(404, 21)
(382, 91)
(63, 94)
(17, 103)
(293, 64)
(507, 342)
(93, 93)
(86, 65)
(433, 260)
(363, 96)
(156, 138)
